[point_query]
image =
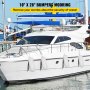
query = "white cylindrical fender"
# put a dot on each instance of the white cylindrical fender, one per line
(80, 63)
(31, 64)
(66, 63)
(44, 63)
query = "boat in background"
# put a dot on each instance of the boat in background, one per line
(17, 35)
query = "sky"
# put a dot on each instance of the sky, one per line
(16, 3)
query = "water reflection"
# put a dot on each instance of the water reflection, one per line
(78, 82)
(49, 85)
(59, 84)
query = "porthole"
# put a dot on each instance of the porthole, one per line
(57, 62)
(72, 60)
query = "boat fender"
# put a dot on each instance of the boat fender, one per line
(66, 63)
(30, 64)
(43, 63)
(80, 61)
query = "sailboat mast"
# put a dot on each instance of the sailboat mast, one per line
(3, 3)
(86, 12)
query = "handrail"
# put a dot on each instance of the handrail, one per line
(51, 47)
(47, 46)
(20, 50)
(4, 47)
(8, 42)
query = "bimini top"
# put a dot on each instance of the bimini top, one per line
(54, 15)
(39, 22)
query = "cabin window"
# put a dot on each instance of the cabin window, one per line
(76, 45)
(21, 42)
(62, 38)
(37, 40)
(89, 26)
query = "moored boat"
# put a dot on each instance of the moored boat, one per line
(42, 55)
(47, 54)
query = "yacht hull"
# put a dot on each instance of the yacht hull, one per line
(41, 75)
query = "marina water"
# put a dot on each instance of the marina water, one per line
(77, 82)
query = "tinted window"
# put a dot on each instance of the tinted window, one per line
(36, 40)
(76, 45)
(89, 26)
(21, 42)
(62, 38)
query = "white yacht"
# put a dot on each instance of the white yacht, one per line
(47, 54)
(44, 55)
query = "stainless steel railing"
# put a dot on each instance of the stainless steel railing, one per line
(5, 45)
(50, 48)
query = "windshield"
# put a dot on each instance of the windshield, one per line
(36, 40)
